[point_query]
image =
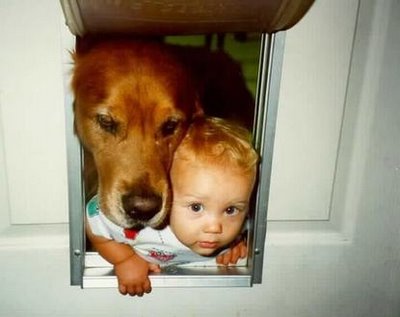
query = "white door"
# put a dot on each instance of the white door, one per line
(334, 214)
(332, 246)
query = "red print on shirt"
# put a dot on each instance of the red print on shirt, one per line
(161, 255)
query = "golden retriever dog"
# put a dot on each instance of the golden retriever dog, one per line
(134, 100)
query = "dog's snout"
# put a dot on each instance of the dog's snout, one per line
(141, 206)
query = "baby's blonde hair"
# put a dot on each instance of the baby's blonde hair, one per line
(219, 142)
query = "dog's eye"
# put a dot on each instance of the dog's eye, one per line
(169, 126)
(107, 123)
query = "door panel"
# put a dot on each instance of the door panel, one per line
(32, 111)
(317, 58)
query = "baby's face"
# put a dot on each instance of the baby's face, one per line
(209, 204)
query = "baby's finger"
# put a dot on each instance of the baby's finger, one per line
(147, 286)
(235, 254)
(122, 289)
(227, 258)
(243, 251)
(218, 259)
(155, 268)
(135, 290)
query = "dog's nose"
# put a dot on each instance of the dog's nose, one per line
(141, 206)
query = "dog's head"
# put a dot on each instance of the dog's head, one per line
(133, 103)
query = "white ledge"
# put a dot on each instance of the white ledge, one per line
(176, 277)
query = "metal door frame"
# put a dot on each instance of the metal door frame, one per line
(267, 99)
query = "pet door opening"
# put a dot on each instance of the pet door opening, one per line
(259, 57)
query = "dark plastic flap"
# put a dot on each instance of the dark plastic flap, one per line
(161, 17)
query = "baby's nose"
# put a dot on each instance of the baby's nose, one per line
(213, 225)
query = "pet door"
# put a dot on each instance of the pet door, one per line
(261, 55)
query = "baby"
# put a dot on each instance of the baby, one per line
(212, 175)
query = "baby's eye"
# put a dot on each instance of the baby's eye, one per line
(196, 207)
(231, 210)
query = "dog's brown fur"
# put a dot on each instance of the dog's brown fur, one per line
(133, 103)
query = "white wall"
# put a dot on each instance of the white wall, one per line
(346, 265)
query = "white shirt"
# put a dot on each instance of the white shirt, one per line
(155, 246)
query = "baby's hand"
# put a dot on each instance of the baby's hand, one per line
(133, 275)
(233, 254)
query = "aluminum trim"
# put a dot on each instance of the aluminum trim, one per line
(176, 277)
(75, 193)
(270, 70)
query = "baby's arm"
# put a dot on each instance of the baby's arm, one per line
(131, 270)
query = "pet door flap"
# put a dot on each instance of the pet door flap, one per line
(181, 16)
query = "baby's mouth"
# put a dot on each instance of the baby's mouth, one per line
(208, 244)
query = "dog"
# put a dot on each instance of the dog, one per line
(134, 100)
